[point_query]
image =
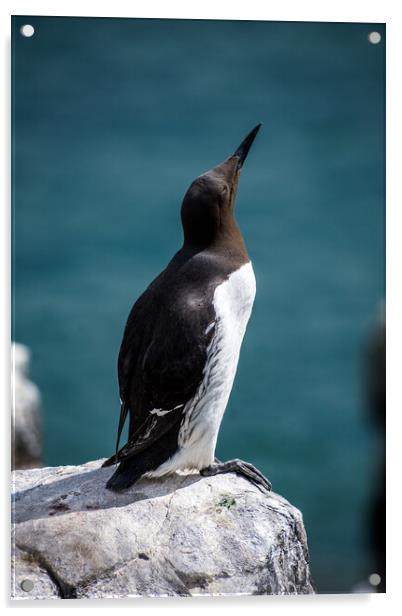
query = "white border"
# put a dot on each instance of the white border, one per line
(285, 10)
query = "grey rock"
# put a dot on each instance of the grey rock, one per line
(180, 535)
(29, 579)
(26, 412)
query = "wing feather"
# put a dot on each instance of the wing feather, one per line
(161, 361)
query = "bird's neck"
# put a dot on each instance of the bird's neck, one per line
(226, 240)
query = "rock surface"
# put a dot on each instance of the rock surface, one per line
(26, 414)
(183, 535)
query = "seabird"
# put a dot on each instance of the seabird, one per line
(182, 340)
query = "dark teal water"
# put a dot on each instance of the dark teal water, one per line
(112, 120)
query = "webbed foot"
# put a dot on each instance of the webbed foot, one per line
(240, 467)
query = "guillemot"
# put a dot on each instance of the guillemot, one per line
(181, 343)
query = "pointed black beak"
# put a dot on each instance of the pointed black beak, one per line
(245, 146)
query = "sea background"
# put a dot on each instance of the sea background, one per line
(112, 119)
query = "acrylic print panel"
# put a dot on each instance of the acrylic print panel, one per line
(113, 119)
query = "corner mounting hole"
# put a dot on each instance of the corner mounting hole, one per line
(374, 579)
(374, 38)
(27, 585)
(27, 30)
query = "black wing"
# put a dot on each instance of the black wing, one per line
(162, 357)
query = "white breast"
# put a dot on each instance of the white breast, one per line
(233, 302)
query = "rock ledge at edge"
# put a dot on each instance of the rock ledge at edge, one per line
(184, 535)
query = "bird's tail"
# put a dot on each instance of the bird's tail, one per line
(125, 475)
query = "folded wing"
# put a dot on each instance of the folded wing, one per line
(161, 363)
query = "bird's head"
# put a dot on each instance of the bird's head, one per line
(207, 212)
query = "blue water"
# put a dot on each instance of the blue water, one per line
(112, 119)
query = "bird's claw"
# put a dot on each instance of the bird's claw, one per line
(249, 471)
